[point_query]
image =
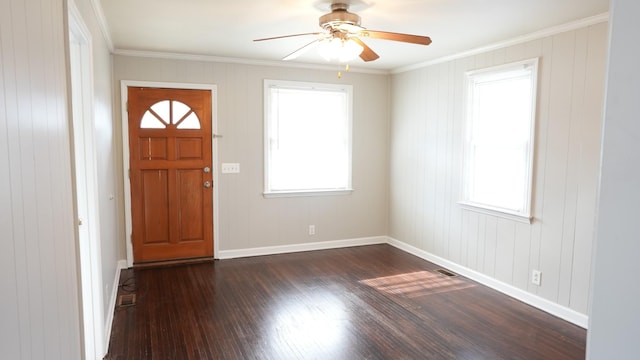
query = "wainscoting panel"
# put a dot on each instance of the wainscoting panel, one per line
(426, 142)
(38, 277)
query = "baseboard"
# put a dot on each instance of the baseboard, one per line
(283, 249)
(550, 307)
(122, 264)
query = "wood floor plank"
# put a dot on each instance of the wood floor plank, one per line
(369, 302)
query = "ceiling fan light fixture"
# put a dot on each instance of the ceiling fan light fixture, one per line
(349, 28)
(340, 49)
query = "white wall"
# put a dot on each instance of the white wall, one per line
(426, 134)
(247, 219)
(39, 305)
(615, 315)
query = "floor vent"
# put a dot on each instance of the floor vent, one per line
(126, 300)
(446, 272)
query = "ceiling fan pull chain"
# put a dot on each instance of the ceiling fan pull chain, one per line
(346, 69)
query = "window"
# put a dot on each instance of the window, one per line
(498, 146)
(167, 112)
(307, 138)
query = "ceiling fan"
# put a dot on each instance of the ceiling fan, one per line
(341, 36)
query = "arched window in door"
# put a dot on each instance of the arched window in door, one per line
(169, 113)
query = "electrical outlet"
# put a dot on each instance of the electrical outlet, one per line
(312, 229)
(536, 277)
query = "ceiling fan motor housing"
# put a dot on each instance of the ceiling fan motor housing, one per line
(339, 15)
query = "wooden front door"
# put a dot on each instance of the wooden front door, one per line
(170, 174)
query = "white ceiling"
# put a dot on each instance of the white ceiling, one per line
(227, 28)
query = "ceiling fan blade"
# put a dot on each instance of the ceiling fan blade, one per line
(408, 38)
(301, 51)
(367, 54)
(287, 36)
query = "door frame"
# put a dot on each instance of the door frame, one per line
(124, 93)
(85, 184)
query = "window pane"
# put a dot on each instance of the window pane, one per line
(178, 111)
(308, 139)
(498, 108)
(190, 122)
(162, 109)
(150, 121)
(499, 177)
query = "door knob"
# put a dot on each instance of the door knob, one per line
(206, 169)
(207, 184)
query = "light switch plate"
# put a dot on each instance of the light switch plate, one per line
(230, 168)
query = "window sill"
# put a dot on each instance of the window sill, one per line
(279, 194)
(502, 213)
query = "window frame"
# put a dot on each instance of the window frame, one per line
(473, 78)
(285, 84)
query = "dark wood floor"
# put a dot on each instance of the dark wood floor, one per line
(370, 302)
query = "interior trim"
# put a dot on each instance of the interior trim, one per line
(536, 301)
(229, 60)
(581, 23)
(574, 25)
(102, 23)
(284, 249)
(108, 323)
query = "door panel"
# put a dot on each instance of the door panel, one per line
(156, 212)
(153, 148)
(171, 194)
(188, 148)
(191, 204)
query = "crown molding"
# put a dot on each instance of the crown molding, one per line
(102, 22)
(574, 25)
(604, 17)
(229, 60)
